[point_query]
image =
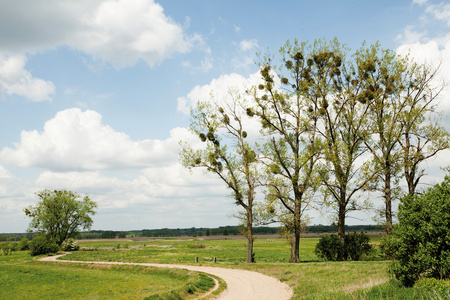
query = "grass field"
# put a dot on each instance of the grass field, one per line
(310, 279)
(21, 277)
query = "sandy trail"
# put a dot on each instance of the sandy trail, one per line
(241, 284)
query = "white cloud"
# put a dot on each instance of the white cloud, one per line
(206, 64)
(151, 187)
(120, 32)
(155, 197)
(429, 46)
(420, 2)
(246, 45)
(440, 12)
(14, 79)
(78, 140)
(4, 173)
(410, 36)
(219, 88)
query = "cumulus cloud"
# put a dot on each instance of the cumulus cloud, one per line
(218, 89)
(122, 32)
(119, 32)
(14, 79)
(151, 186)
(152, 197)
(78, 140)
(425, 45)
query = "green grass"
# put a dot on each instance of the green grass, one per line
(185, 251)
(23, 278)
(312, 278)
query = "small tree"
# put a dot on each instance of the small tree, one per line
(420, 245)
(59, 215)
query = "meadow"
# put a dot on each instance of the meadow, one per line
(22, 277)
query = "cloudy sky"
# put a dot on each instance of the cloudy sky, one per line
(95, 94)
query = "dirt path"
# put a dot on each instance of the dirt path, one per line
(241, 284)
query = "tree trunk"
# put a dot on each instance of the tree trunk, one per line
(295, 243)
(388, 198)
(250, 258)
(341, 225)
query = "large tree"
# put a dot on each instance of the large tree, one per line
(60, 214)
(383, 89)
(402, 96)
(227, 153)
(423, 136)
(337, 94)
(292, 148)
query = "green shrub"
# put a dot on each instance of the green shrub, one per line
(420, 244)
(329, 247)
(355, 246)
(24, 244)
(70, 245)
(41, 245)
(14, 247)
(6, 249)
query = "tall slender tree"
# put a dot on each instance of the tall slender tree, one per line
(292, 148)
(338, 97)
(402, 96)
(383, 87)
(227, 153)
(422, 136)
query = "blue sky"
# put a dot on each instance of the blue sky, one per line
(94, 94)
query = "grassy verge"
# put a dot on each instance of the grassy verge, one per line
(23, 278)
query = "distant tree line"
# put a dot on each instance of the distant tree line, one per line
(193, 231)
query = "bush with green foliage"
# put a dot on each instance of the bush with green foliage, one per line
(329, 247)
(24, 244)
(420, 244)
(6, 249)
(354, 247)
(40, 244)
(357, 245)
(70, 245)
(14, 247)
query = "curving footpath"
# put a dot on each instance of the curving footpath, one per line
(241, 284)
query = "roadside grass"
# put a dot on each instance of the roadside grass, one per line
(21, 277)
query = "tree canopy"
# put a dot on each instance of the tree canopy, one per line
(337, 130)
(60, 214)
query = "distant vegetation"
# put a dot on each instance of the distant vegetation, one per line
(193, 231)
